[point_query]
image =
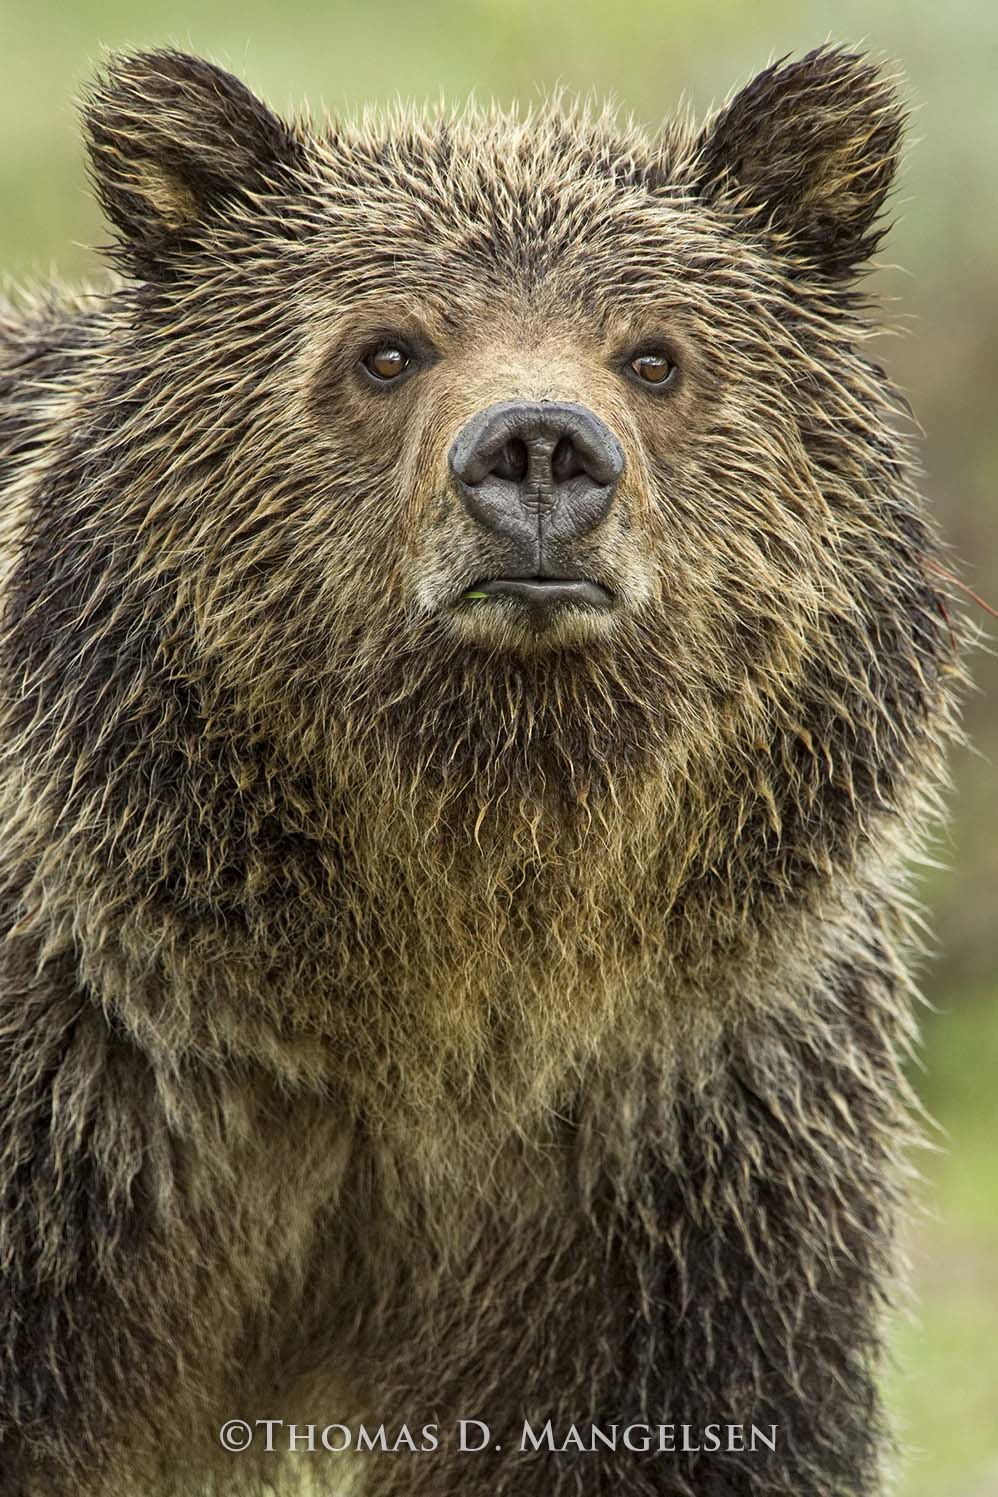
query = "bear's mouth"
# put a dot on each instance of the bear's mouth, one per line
(539, 593)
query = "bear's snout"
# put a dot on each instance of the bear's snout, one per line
(536, 476)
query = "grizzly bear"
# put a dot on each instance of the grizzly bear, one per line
(474, 670)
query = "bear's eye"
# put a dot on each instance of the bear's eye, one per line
(653, 368)
(386, 362)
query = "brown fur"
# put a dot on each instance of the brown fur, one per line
(405, 1015)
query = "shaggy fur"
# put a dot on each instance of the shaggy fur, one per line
(406, 1016)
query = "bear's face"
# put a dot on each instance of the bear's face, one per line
(526, 421)
(518, 394)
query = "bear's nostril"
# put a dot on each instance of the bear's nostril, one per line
(512, 462)
(565, 461)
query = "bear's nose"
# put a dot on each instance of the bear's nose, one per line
(538, 474)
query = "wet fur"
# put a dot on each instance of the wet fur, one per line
(403, 1018)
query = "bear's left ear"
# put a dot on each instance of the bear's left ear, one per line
(805, 155)
(172, 137)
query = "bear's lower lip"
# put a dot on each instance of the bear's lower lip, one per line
(541, 593)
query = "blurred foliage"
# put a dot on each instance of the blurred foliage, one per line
(945, 1386)
(648, 54)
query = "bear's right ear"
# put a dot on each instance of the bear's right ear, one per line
(170, 138)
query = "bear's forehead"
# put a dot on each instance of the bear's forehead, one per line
(487, 163)
(494, 194)
(509, 146)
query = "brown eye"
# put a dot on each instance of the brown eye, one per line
(653, 368)
(386, 362)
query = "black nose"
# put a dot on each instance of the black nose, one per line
(538, 475)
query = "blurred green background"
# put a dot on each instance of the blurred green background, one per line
(648, 53)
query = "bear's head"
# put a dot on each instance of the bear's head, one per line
(525, 451)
